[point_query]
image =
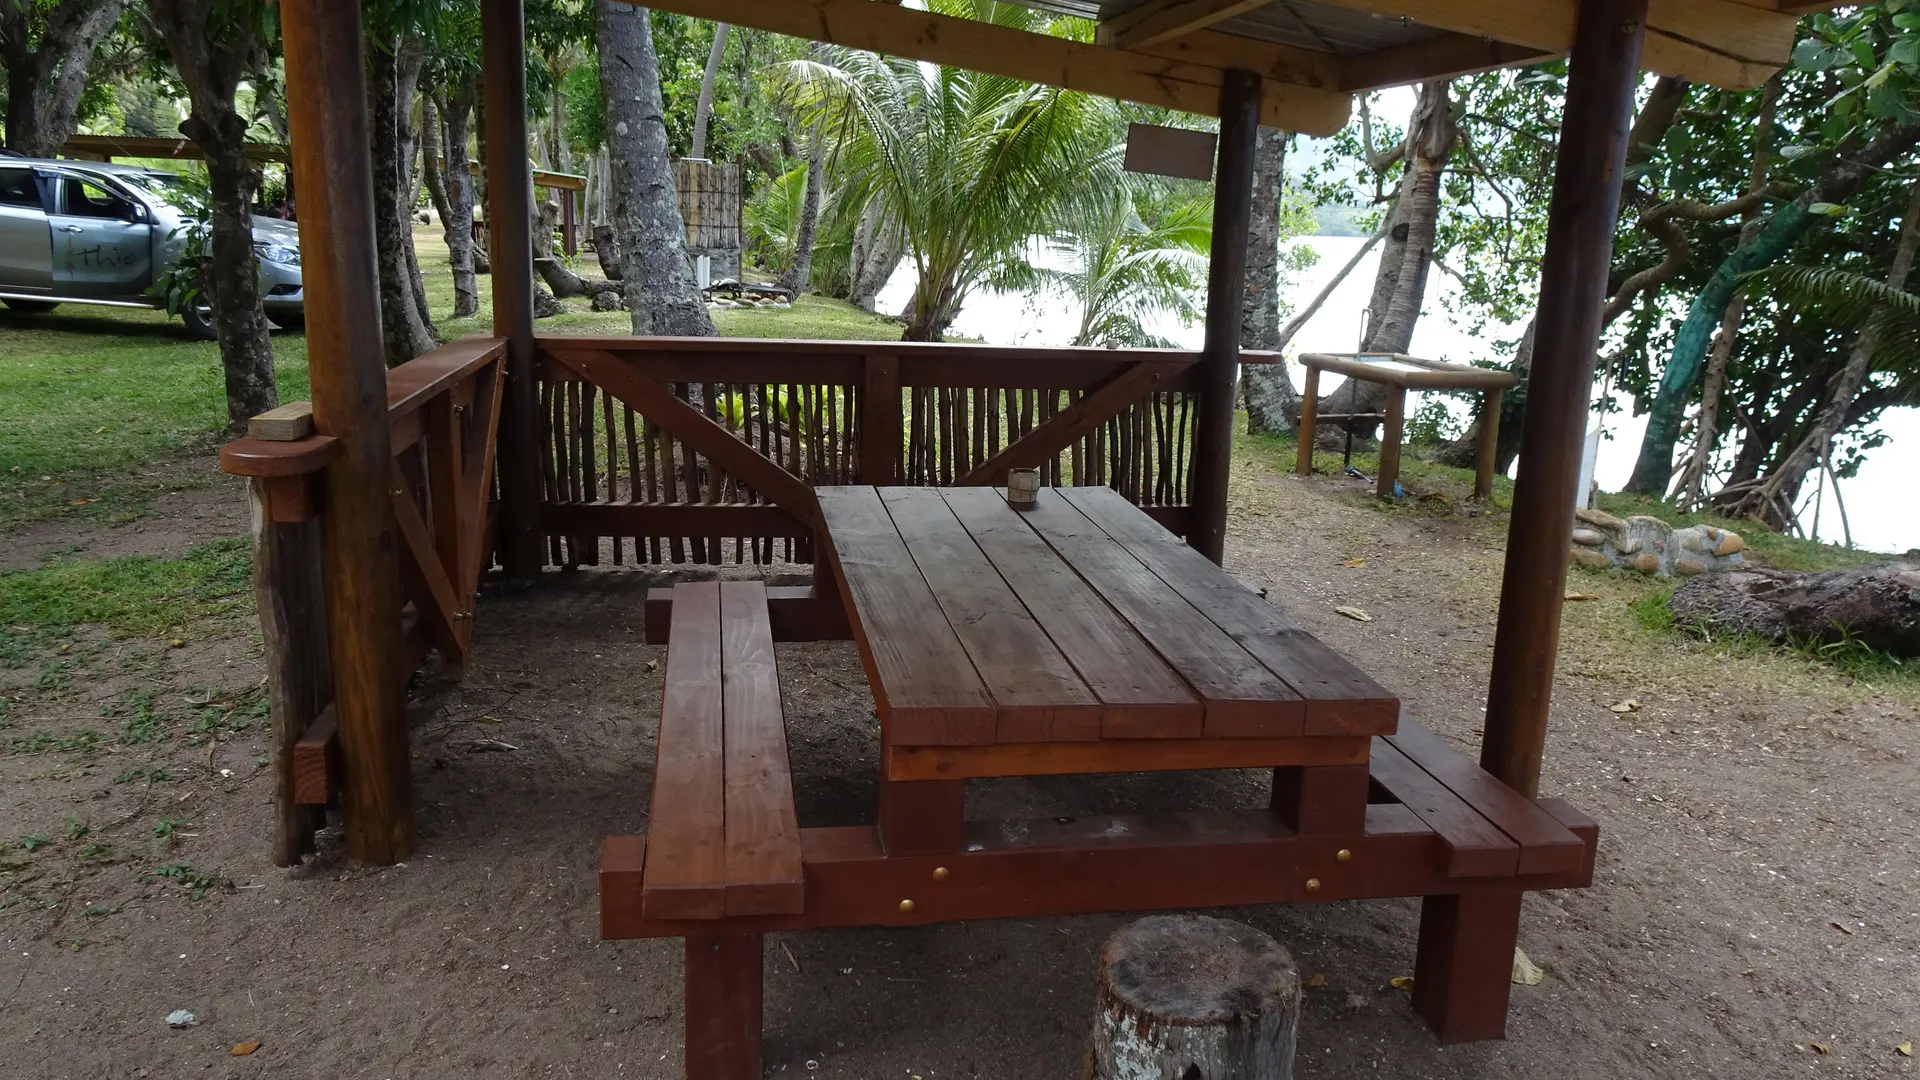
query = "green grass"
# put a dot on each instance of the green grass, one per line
(131, 596)
(90, 397)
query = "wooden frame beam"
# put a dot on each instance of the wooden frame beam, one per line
(1166, 20)
(1448, 55)
(1141, 77)
(1724, 43)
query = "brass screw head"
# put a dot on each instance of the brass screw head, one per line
(1344, 855)
(906, 907)
(396, 493)
(939, 873)
(1313, 884)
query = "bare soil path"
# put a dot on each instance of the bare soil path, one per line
(1758, 886)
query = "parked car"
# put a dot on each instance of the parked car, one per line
(81, 232)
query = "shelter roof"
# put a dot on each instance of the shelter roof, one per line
(1313, 54)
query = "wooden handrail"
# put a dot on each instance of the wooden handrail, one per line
(906, 350)
(409, 386)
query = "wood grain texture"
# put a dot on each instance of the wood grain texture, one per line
(1546, 846)
(763, 833)
(1476, 847)
(1463, 967)
(1322, 800)
(1340, 698)
(287, 423)
(288, 595)
(924, 684)
(1037, 695)
(724, 987)
(314, 760)
(686, 852)
(1140, 696)
(1120, 756)
(1242, 698)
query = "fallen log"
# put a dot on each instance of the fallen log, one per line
(1878, 606)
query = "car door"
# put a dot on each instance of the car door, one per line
(26, 254)
(102, 241)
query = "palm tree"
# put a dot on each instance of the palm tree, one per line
(969, 167)
(1124, 270)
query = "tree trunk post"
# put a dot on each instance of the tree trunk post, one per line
(503, 50)
(1487, 448)
(1189, 997)
(1604, 75)
(1390, 439)
(1309, 419)
(333, 168)
(1226, 291)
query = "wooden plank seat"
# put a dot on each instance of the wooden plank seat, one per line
(724, 838)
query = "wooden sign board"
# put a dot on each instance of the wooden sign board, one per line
(1165, 151)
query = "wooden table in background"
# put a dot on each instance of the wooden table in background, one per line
(1401, 373)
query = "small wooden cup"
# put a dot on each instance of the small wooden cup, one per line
(1023, 488)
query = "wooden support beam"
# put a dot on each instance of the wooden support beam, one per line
(503, 51)
(1448, 55)
(914, 34)
(1573, 287)
(333, 171)
(1226, 286)
(1166, 20)
(1723, 43)
(293, 638)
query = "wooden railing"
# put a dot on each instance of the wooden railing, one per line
(707, 450)
(443, 411)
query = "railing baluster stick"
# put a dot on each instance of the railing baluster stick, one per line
(452, 531)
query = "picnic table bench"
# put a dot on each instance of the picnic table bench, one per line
(1075, 637)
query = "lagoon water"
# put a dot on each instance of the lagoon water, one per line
(1876, 500)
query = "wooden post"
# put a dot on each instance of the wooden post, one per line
(880, 422)
(503, 52)
(1226, 289)
(1488, 448)
(293, 633)
(1195, 998)
(725, 980)
(333, 169)
(1463, 969)
(1390, 438)
(1309, 416)
(1603, 76)
(569, 225)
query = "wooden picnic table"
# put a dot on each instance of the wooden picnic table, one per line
(1401, 373)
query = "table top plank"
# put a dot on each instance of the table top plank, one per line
(1143, 698)
(924, 684)
(1341, 699)
(1242, 697)
(1037, 694)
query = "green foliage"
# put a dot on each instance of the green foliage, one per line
(135, 595)
(772, 220)
(1134, 254)
(197, 882)
(32, 843)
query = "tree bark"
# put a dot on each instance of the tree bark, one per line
(404, 334)
(661, 294)
(46, 78)
(1877, 606)
(1273, 406)
(878, 247)
(1837, 184)
(800, 273)
(411, 60)
(703, 108)
(211, 71)
(457, 219)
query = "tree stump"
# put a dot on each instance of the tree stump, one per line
(1187, 997)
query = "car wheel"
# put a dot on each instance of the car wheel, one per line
(198, 317)
(292, 324)
(31, 307)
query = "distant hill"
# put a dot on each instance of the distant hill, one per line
(1339, 221)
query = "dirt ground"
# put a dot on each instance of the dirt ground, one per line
(1756, 914)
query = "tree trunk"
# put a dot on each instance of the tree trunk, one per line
(661, 294)
(1877, 606)
(703, 108)
(408, 64)
(46, 79)
(606, 248)
(1788, 224)
(1190, 997)
(457, 219)
(800, 273)
(1273, 406)
(404, 334)
(878, 247)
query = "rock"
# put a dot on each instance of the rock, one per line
(545, 306)
(1647, 563)
(1592, 559)
(1651, 546)
(1689, 567)
(1730, 544)
(1589, 537)
(1600, 519)
(608, 301)
(181, 1018)
(1878, 606)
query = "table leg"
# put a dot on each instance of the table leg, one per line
(1390, 441)
(724, 987)
(922, 817)
(1489, 446)
(1463, 970)
(1309, 413)
(1322, 800)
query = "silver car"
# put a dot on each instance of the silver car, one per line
(81, 232)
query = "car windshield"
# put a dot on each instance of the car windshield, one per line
(170, 188)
